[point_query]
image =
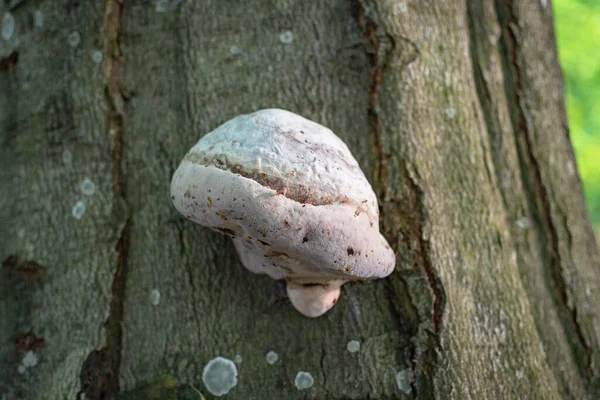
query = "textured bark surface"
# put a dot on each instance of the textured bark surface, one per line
(453, 109)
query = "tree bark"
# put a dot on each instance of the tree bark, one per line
(455, 111)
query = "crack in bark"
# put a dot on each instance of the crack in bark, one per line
(322, 365)
(378, 67)
(484, 98)
(423, 250)
(99, 375)
(540, 202)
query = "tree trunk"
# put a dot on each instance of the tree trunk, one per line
(455, 111)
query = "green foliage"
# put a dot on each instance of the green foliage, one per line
(578, 34)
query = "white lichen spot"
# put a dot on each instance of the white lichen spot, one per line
(21, 233)
(588, 291)
(30, 359)
(513, 256)
(571, 167)
(523, 223)
(353, 346)
(165, 5)
(67, 157)
(111, 132)
(286, 37)
(403, 381)
(97, 56)
(450, 112)
(500, 332)
(38, 18)
(272, 357)
(544, 3)
(21, 369)
(160, 5)
(400, 8)
(235, 50)
(87, 187)
(74, 39)
(8, 26)
(219, 376)
(304, 380)
(520, 373)
(238, 358)
(78, 210)
(154, 297)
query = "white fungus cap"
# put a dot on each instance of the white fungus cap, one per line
(294, 200)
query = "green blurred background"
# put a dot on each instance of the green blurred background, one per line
(578, 34)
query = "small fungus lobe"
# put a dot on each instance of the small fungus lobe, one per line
(219, 376)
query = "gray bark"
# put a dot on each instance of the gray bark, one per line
(455, 111)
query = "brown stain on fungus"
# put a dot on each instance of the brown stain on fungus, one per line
(222, 215)
(224, 231)
(210, 202)
(287, 224)
(290, 189)
(348, 268)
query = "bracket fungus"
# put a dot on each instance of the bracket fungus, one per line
(294, 200)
